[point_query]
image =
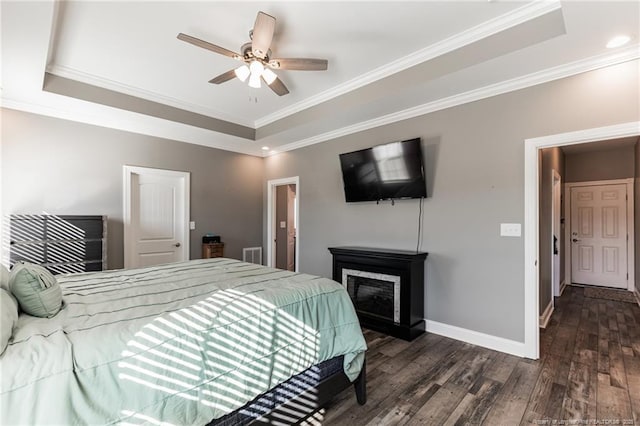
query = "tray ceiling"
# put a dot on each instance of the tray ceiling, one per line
(119, 64)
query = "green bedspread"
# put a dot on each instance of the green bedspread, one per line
(180, 343)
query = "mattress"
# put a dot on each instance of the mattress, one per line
(180, 344)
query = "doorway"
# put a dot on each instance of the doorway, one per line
(531, 347)
(283, 229)
(156, 216)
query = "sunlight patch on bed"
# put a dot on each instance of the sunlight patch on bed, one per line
(249, 345)
(144, 418)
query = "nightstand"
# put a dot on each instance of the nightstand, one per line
(210, 250)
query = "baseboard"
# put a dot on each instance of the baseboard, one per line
(637, 293)
(476, 338)
(563, 285)
(546, 315)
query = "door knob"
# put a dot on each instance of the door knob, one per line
(575, 240)
(177, 244)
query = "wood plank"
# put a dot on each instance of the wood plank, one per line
(472, 369)
(475, 408)
(553, 409)
(612, 403)
(564, 341)
(501, 368)
(542, 390)
(632, 365)
(399, 415)
(603, 355)
(511, 402)
(439, 407)
(580, 400)
(417, 348)
(617, 371)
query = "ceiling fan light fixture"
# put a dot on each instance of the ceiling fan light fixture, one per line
(242, 72)
(255, 56)
(269, 76)
(254, 81)
(256, 67)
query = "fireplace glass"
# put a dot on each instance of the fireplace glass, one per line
(373, 293)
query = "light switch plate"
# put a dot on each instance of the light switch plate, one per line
(510, 229)
(192, 225)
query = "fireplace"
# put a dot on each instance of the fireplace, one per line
(386, 287)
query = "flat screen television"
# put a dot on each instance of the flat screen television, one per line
(385, 172)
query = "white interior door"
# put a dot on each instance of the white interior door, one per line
(156, 216)
(599, 235)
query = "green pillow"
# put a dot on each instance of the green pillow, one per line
(36, 289)
(4, 277)
(8, 317)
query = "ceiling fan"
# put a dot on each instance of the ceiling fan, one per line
(256, 56)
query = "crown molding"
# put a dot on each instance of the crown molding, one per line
(94, 80)
(479, 32)
(529, 80)
(136, 123)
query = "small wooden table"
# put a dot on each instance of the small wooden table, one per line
(210, 250)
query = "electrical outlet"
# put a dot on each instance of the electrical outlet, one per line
(192, 225)
(510, 229)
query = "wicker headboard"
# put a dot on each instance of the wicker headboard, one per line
(62, 244)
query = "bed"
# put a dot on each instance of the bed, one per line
(215, 341)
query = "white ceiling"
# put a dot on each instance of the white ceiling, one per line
(119, 64)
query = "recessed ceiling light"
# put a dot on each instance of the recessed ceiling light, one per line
(265, 148)
(618, 41)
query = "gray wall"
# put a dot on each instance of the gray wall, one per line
(550, 159)
(63, 167)
(600, 165)
(475, 168)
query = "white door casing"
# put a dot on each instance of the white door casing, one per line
(156, 216)
(556, 232)
(531, 309)
(271, 219)
(291, 229)
(599, 235)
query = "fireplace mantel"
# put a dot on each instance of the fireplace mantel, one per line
(352, 265)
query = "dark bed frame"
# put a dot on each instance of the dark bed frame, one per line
(322, 393)
(295, 408)
(73, 243)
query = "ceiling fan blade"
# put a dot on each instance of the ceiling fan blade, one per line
(223, 77)
(209, 46)
(278, 87)
(262, 34)
(300, 64)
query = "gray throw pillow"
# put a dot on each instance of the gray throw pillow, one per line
(8, 317)
(36, 289)
(4, 277)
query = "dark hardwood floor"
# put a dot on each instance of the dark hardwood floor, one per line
(588, 372)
